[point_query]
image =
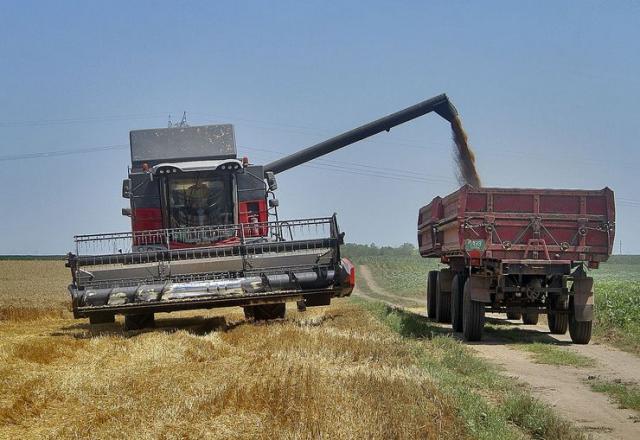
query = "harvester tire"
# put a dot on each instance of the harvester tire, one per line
(138, 322)
(514, 316)
(530, 318)
(432, 282)
(558, 323)
(102, 318)
(265, 312)
(472, 316)
(457, 292)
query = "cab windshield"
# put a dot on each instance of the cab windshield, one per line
(200, 200)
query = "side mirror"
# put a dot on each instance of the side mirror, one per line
(274, 203)
(271, 180)
(126, 188)
(126, 212)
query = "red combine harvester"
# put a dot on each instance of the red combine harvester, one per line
(523, 252)
(206, 232)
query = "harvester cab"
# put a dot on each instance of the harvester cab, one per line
(205, 231)
(191, 177)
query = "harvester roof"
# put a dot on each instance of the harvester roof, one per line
(184, 144)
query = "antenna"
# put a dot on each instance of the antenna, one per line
(183, 121)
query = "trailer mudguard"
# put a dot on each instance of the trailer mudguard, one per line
(583, 299)
(480, 288)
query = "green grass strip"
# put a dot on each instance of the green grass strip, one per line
(544, 353)
(626, 395)
(489, 404)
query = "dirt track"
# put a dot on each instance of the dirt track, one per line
(563, 387)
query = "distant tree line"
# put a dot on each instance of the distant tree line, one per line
(367, 250)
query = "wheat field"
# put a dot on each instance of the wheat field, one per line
(330, 372)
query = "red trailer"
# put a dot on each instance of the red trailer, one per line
(523, 252)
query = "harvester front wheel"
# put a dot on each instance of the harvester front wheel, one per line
(432, 282)
(472, 315)
(514, 316)
(102, 318)
(138, 322)
(265, 312)
(457, 292)
(530, 318)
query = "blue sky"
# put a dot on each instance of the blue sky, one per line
(548, 91)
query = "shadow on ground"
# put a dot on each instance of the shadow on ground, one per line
(497, 331)
(197, 325)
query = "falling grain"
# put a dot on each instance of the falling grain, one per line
(465, 158)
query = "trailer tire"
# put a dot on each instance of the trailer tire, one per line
(139, 322)
(432, 282)
(580, 331)
(265, 312)
(472, 315)
(443, 305)
(530, 318)
(457, 292)
(102, 318)
(514, 316)
(558, 324)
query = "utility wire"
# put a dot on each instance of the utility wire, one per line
(323, 164)
(45, 154)
(79, 120)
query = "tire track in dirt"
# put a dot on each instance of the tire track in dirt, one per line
(365, 273)
(562, 387)
(566, 388)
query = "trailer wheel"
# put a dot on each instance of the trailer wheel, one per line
(265, 312)
(457, 292)
(580, 331)
(138, 322)
(443, 305)
(558, 323)
(472, 315)
(102, 318)
(432, 282)
(530, 318)
(513, 315)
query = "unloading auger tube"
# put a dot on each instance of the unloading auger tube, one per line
(439, 104)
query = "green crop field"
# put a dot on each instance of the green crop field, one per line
(617, 287)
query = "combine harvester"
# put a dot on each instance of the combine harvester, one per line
(523, 252)
(206, 233)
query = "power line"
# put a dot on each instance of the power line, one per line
(345, 167)
(79, 120)
(45, 154)
(414, 144)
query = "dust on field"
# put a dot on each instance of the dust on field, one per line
(332, 372)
